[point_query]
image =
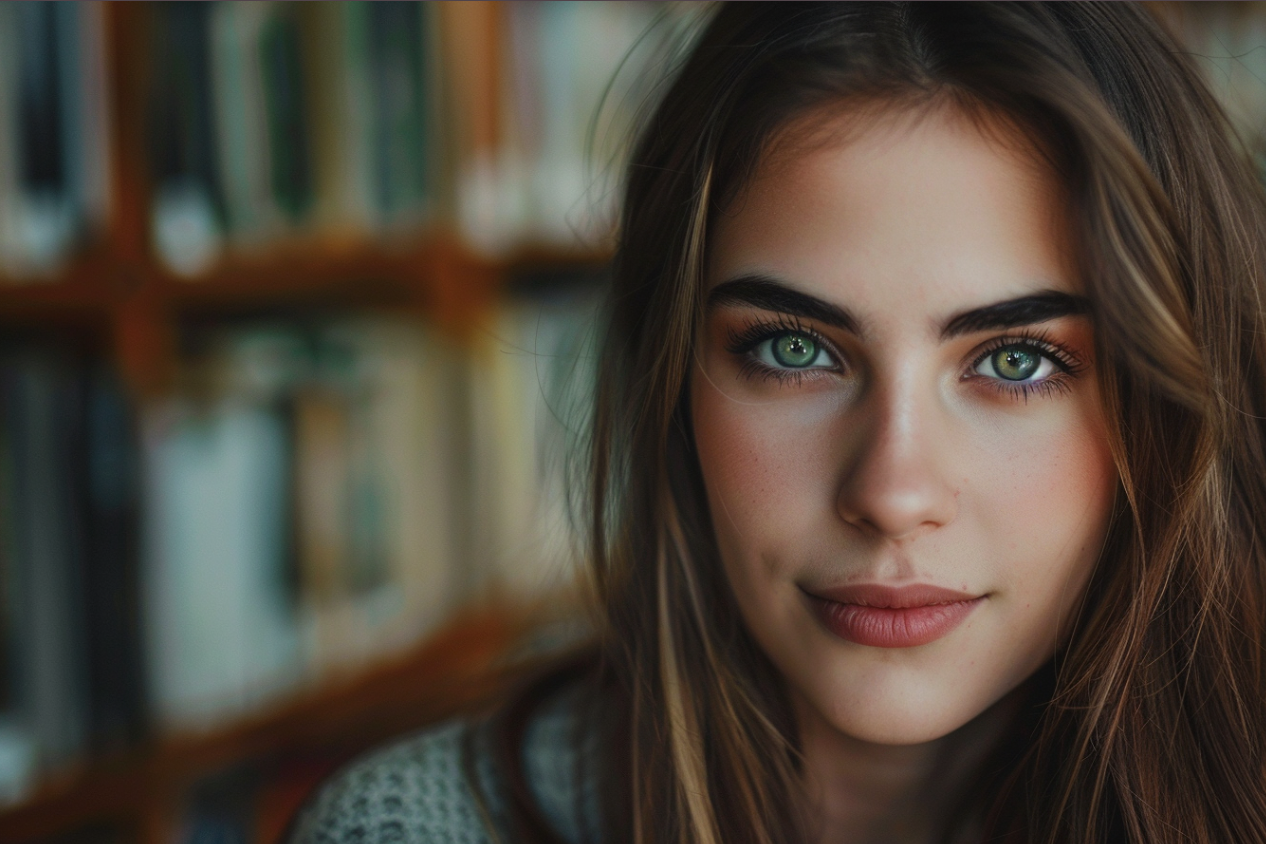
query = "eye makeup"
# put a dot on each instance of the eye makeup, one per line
(746, 344)
(757, 362)
(1066, 365)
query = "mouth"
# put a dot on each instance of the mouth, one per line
(882, 616)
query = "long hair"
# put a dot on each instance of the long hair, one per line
(1150, 725)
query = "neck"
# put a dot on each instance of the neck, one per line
(861, 792)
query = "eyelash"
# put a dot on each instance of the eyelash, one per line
(1068, 365)
(743, 342)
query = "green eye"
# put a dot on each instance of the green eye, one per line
(1015, 363)
(794, 350)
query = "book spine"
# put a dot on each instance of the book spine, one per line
(336, 63)
(91, 147)
(118, 712)
(397, 39)
(220, 629)
(241, 156)
(281, 63)
(47, 598)
(186, 226)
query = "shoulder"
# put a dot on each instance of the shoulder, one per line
(418, 790)
(413, 790)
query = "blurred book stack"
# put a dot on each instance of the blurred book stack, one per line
(330, 123)
(276, 120)
(69, 624)
(301, 506)
(296, 307)
(271, 119)
(53, 140)
(299, 513)
(277, 406)
(574, 78)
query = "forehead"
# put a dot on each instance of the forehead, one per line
(898, 210)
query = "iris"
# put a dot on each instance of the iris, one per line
(794, 350)
(1015, 363)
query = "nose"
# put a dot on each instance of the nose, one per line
(892, 483)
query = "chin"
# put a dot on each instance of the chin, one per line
(896, 727)
(893, 716)
(899, 731)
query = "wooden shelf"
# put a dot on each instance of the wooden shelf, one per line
(289, 271)
(86, 289)
(457, 668)
(118, 291)
(393, 273)
(118, 286)
(139, 305)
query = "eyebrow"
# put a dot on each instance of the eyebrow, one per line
(768, 294)
(762, 292)
(1014, 313)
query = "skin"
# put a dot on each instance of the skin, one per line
(901, 455)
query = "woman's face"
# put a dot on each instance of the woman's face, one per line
(898, 422)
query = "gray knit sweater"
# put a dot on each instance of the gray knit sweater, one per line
(415, 792)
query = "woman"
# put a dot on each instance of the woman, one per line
(928, 459)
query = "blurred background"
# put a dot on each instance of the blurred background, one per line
(297, 305)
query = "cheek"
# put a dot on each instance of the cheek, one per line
(1041, 505)
(765, 467)
(1051, 485)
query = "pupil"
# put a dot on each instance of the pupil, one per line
(794, 350)
(1015, 364)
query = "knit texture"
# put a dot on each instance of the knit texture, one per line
(415, 791)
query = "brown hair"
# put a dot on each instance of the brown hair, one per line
(1150, 725)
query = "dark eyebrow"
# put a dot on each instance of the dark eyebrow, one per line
(762, 292)
(1014, 313)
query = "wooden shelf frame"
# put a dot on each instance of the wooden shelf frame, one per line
(117, 289)
(140, 792)
(118, 284)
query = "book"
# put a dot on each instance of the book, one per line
(567, 112)
(45, 555)
(398, 64)
(46, 104)
(373, 513)
(187, 217)
(69, 635)
(470, 34)
(527, 386)
(341, 107)
(241, 140)
(222, 808)
(54, 186)
(110, 470)
(286, 111)
(220, 624)
(300, 484)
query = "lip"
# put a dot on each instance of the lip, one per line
(881, 616)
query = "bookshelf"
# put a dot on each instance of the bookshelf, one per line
(116, 295)
(116, 281)
(140, 792)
